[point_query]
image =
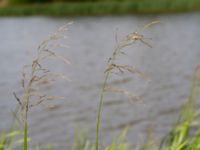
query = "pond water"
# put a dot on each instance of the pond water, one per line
(169, 65)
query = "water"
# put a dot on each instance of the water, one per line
(169, 64)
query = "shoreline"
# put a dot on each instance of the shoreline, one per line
(101, 8)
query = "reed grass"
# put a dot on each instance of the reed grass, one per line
(35, 76)
(112, 65)
(185, 135)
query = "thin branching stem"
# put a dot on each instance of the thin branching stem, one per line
(33, 75)
(100, 108)
(128, 41)
(106, 77)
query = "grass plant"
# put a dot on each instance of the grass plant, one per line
(185, 135)
(119, 142)
(81, 141)
(35, 76)
(7, 139)
(113, 66)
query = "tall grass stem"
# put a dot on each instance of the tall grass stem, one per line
(25, 135)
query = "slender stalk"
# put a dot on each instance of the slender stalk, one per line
(35, 76)
(25, 135)
(127, 41)
(100, 109)
(106, 77)
(26, 99)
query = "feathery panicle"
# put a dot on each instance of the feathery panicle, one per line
(113, 66)
(35, 76)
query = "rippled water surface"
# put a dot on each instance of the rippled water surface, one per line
(169, 65)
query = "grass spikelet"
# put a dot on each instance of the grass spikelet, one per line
(138, 36)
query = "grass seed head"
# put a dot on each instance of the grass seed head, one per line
(36, 76)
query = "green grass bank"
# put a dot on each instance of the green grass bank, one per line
(99, 8)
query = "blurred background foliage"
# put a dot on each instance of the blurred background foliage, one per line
(94, 7)
(46, 1)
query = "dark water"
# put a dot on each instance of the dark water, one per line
(169, 64)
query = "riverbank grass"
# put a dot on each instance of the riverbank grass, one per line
(185, 135)
(100, 8)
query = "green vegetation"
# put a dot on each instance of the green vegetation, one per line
(97, 7)
(185, 135)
